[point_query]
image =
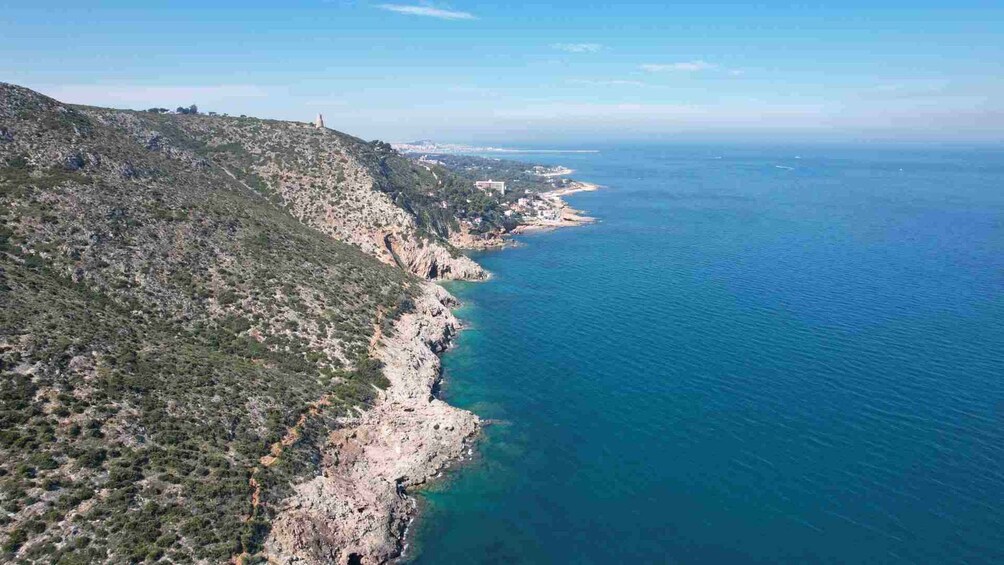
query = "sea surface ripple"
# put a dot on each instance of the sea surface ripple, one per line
(751, 358)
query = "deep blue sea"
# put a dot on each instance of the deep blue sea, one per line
(758, 355)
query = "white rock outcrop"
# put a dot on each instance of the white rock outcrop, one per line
(357, 510)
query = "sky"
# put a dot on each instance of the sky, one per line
(573, 73)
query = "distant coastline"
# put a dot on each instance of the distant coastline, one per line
(567, 216)
(526, 196)
(428, 146)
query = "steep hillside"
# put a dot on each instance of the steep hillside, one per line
(354, 191)
(177, 295)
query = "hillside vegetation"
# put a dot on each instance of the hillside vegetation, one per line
(355, 191)
(175, 291)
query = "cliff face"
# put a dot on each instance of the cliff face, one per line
(196, 315)
(431, 261)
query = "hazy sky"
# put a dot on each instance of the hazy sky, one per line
(519, 72)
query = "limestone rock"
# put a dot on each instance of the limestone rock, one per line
(357, 509)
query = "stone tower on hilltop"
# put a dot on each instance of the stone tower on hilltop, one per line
(319, 122)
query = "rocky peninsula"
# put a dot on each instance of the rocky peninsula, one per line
(564, 215)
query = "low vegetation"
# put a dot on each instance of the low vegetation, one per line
(518, 175)
(165, 318)
(436, 196)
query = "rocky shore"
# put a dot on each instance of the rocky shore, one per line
(180, 284)
(567, 216)
(357, 510)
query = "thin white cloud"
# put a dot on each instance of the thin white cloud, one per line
(577, 47)
(615, 82)
(685, 66)
(428, 11)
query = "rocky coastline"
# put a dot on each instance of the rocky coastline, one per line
(358, 509)
(221, 285)
(566, 215)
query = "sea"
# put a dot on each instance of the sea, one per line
(758, 354)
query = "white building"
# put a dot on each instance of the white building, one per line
(490, 185)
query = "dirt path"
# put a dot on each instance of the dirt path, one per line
(292, 435)
(377, 332)
(290, 438)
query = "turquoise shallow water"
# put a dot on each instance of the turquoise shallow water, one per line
(753, 358)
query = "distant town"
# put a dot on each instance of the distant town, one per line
(529, 194)
(429, 146)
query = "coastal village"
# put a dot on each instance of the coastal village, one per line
(539, 206)
(542, 210)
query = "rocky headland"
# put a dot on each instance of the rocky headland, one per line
(219, 336)
(564, 216)
(358, 509)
